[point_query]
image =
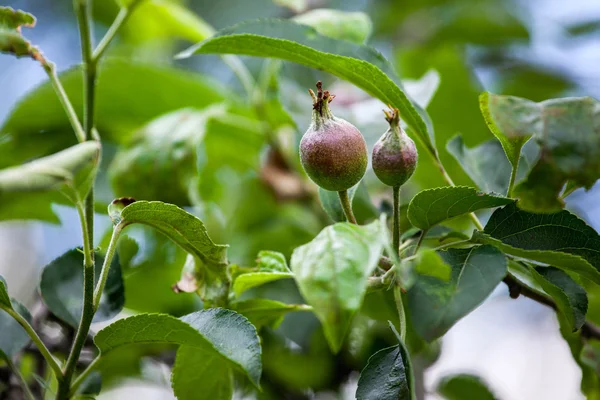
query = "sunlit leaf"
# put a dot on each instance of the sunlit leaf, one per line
(352, 26)
(332, 271)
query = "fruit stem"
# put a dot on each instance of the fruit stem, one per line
(345, 200)
(396, 220)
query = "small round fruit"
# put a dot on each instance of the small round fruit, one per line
(395, 154)
(333, 151)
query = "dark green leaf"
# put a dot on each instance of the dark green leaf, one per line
(38, 125)
(199, 371)
(61, 287)
(568, 295)
(332, 271)
(355, 27)
(564, 261)
(435, 305)
(11, 40)
(388, 375)
(384, 377)
(363, 66)
(542, 237)
(265, 312)
(584, 28)
(463, 386)
(220, 332)
(568, 134)
(432, 206)
(180, 226)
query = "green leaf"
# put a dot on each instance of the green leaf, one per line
(4, 298)
(11, 40)
(180, 226)
(73, 167)
(332, 271)
(430, 263)
(200, 371)
(568, 295)
(432, 206)
(253, 279)
(564, 261)
(28, 191)
(355, 27)
(13, 337)
(61, 287)
(514, 131)
(363, 66)
(384, 377)
(221, 333)
(567, 132)
(38, 125)
(486, 164)
(435, 306)
(265, 312)
(157, 19)
(294, 5)
(464, 386)
(387, 375)
(543, 237)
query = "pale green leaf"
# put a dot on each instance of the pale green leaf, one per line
(436, 305)
(332, 271)
(253, 279)
(355, 27)
(567, 132)
(487, 165)
(429, 263)
(294, 5)
(432, 206)
(463, 386)
(11, 40)
(265, 312)
(220, 332)
(363, 66)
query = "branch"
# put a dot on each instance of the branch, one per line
(588, 330)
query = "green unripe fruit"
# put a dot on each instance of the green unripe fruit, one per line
(395, 154)
(333, 151)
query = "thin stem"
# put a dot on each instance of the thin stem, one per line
(420, 241)
(36, 339)
(396, 220)
(87, 314)
(122, 17)
(347, 206)
(241, 71)
(513, 177)
(83, 12)
(110, 252)
(401, 313)
(18, 373)
(50, 69)
(86, 372)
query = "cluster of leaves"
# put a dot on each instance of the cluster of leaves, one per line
(197, 133)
